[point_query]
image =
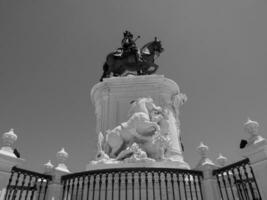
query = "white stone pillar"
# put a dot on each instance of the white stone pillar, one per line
(256, 151)
(7, 160)
(54, 191)
(113, 96)
(209, 184)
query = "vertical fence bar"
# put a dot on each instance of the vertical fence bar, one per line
(106, 185)
(178, 184)
(22, 185)
(112, 185)
(99, 186)
(230, 183)
(239, 190)
(255, 182)
(33, 187)
(225, 184)
(46, 186)
(185, 189)
(153, 185)
(219, 184)
(14, 195)
(190, 186)
(83, 180)
(242, 183)
(146, 182)
(67, 189)
(94, 182)
(195, 186)
(8, 188)
(172, 184)
(166, 184)
(200, 187)
(64, 183)
(88, 187)
(132, 185)
(126, 185)
(40, 188)
(159, 181)
(140, 186)
(119, 188)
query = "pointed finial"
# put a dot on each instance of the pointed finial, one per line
(251, 127)
(221, 160)
(203, 149)
(62, 156)
(48, 167)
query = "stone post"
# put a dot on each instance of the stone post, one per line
(7, 160)
(209, 184)
(55, 187)
(256, 151)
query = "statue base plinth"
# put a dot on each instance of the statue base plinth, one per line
(156, 164)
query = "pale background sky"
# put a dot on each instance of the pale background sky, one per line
(52, 52)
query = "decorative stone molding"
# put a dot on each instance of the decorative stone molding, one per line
(256, 151)
(210, 189)
(62, 156)
(7, 157)
(205, 164)
(48, 167)
(221, 160)
(9, 138)
(256, 148)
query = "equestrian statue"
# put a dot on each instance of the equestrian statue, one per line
(128, 59)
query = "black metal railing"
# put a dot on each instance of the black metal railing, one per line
(237, 182)
(26, 185)
(133, 184)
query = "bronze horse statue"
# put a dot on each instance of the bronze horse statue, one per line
(124, 65)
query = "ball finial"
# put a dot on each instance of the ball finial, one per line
(62, 156)
(203, 149)
(221, 160)
(48, 167)
(251, 127)
(9, 137)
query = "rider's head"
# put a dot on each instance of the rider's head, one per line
(128, 34)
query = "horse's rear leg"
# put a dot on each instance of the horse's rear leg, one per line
(106, 72)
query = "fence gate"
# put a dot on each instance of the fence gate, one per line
(133, 184)
(26, 185)
(237, 182)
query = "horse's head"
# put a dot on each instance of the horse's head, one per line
(153, 47)
(143, 104)
(156, 46)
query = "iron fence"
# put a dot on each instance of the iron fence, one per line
(133, 184)
(26, 185)
(237, 182)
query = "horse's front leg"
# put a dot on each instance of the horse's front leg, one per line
(149, 126)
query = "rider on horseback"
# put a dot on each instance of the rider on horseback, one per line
(129, 46)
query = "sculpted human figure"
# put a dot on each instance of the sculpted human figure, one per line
(139, 128)
(130, 60)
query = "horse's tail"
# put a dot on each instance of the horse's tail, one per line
(105, 71)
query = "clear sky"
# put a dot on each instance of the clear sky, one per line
(52, 52)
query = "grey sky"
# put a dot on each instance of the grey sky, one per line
(52, 51)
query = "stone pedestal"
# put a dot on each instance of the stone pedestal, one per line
(7, 161)
(112, 100)
(257, 154)
(256, 151)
